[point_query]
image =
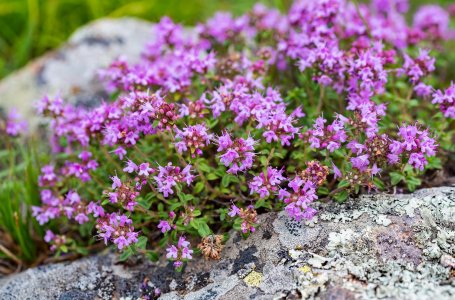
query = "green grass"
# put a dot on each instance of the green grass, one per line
(18, 192)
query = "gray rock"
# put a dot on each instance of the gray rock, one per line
(373, 247)
(72, 70)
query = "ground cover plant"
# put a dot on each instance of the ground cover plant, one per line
(262, 112)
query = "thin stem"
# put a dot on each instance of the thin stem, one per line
(10, 255)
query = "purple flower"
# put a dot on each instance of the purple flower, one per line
(266, 183)
(236, 154)
(419, 67)
(116, 183)
(130, 167)
(234, 211)
(117, 229)
(145, 170)
(14, 126)
(446, 101)
(164, 226)
(297, 201)
(180, 252)
(337, 173)
(360, 162)
(415, 144)
(433, 20)
(169, 176)
(329, 137)
(49, 236)
(193, 139)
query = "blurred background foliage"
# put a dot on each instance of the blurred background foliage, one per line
(28, 28)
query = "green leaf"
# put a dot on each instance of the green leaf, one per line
(263, 160)
(204, 167)
(434, 163)
(227, 179)
(378, 183)
(152, 255)
(144, 203)
(341, 196)
(195, 223)
(212, 176)
(141, 242)
(343, 184)
(323, 191)
(199, 187)
(395, 178)
(413, 183)
(204, 229)
(126, 254)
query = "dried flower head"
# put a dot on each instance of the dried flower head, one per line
(211, 246)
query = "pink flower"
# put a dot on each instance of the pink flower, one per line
(164, 226)
(237, 154)
(234, 211)
(169, 176)
(193, 139)
(180, 252)
(145, 170)
(116, 182)
(130, 167)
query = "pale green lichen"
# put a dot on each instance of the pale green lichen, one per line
(253, 279)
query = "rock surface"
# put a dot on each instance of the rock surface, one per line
(378, 246)
(72, 70)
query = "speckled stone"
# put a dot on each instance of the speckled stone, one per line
(72, 70)
(373, 247)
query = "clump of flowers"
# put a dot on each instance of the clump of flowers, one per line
(446, 101)
(192, 139)
(237, 154)
(180, 252)
(266, 111)
(169, 176)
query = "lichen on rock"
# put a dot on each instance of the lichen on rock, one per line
(374, 247)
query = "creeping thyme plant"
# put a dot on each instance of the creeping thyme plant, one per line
(242, 115)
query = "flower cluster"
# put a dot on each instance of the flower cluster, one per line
(247, 217)
(179, 253)
(236, 154)
(53, 206)
(328, 137)
(267, 182)
(169, 176)
(414, 144)
(192, 139)
(446, 101)
(14, 126)
(117, 229)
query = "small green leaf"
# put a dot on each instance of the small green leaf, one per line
(343, 184)
(126, 254)
(199, 187)
(212, 176)
(204, 229)
(413, 183)
(395, 178)
(152, 255)
(141, 242)
(378, 183)
(341, 196)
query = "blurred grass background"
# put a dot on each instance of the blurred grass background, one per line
(28, 28)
